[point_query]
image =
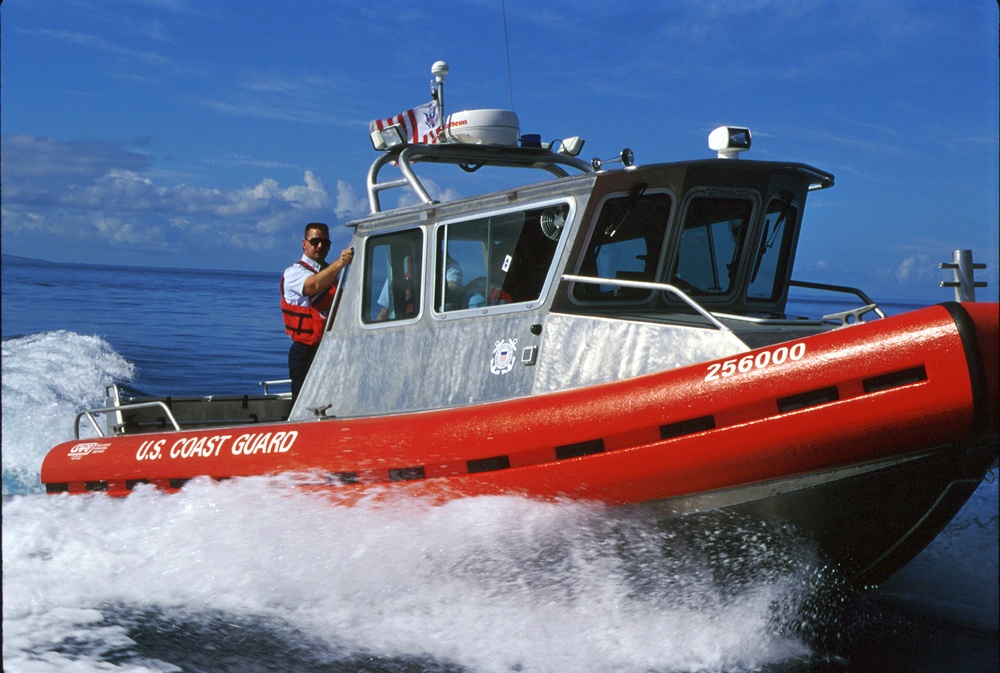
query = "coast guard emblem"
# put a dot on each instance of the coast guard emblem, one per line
(78, 451)
(503, 356)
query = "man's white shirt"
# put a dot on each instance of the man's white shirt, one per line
(295, 278)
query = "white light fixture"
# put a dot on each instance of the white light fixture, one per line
(571, 146)
(389, 137)
(729, 141)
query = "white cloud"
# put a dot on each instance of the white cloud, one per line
(914, 267)
(123, 231)
(349, 203)
(313, 194)
(35, 164)
(300, 98)
(98, 43)
(407, 197)
(99, 190)
(21, 220)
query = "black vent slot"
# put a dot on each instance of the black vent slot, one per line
(688, 427)
(95, 485)
(808, 399)
(488, 464)
(178, 483)
(132, 483)
(895, 379)
(57, 487)
(580, 449)
(406, 473)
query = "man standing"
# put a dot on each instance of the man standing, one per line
(307, 289)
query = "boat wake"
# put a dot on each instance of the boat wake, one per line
(47, 379)
(485, 584)
(256, 575)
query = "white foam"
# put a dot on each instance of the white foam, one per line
(47, 379)
(489, 583)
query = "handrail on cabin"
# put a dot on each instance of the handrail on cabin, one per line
(646, 285)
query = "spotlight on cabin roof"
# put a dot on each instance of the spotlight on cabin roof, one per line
(389, 137)
(571, 146)
(729, 141)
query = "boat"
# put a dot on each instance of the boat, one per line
(621, 334)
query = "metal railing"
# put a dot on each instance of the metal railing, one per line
(89, 413)
(276, 382)
(469, 157)
(646, 285)
(849, 316)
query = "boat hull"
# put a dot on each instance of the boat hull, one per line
(869, 519)
(867, 439)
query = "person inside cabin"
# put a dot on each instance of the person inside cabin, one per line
(307, 290)
(489, 292)
(392, 290)
(385, 301)
(453, 283)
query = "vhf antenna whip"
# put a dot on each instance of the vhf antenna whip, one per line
(506, 44)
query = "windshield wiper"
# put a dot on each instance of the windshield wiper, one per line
(638, 189)
(766, 244)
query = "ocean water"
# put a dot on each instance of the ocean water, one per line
(253, 575)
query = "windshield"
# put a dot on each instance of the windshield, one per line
(711, 243)
(626, 245)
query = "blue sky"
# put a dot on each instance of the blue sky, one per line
(205, 134)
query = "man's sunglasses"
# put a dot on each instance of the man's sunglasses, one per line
(316, 242)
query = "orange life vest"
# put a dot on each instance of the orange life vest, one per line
(305, 323)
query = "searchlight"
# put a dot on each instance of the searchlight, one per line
(571, 146)
(729, 141)
(389, 137)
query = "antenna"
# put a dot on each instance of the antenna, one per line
(506, 43)
(440, 70)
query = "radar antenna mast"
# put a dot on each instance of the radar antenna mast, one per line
(440, 70)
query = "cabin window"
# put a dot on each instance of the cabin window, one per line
(496, 260)
(626, 245)
(770, 265)
(709, 254)
(392, 276)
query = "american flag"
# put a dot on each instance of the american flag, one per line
(421, 125)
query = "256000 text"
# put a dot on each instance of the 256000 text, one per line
(778, 356)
